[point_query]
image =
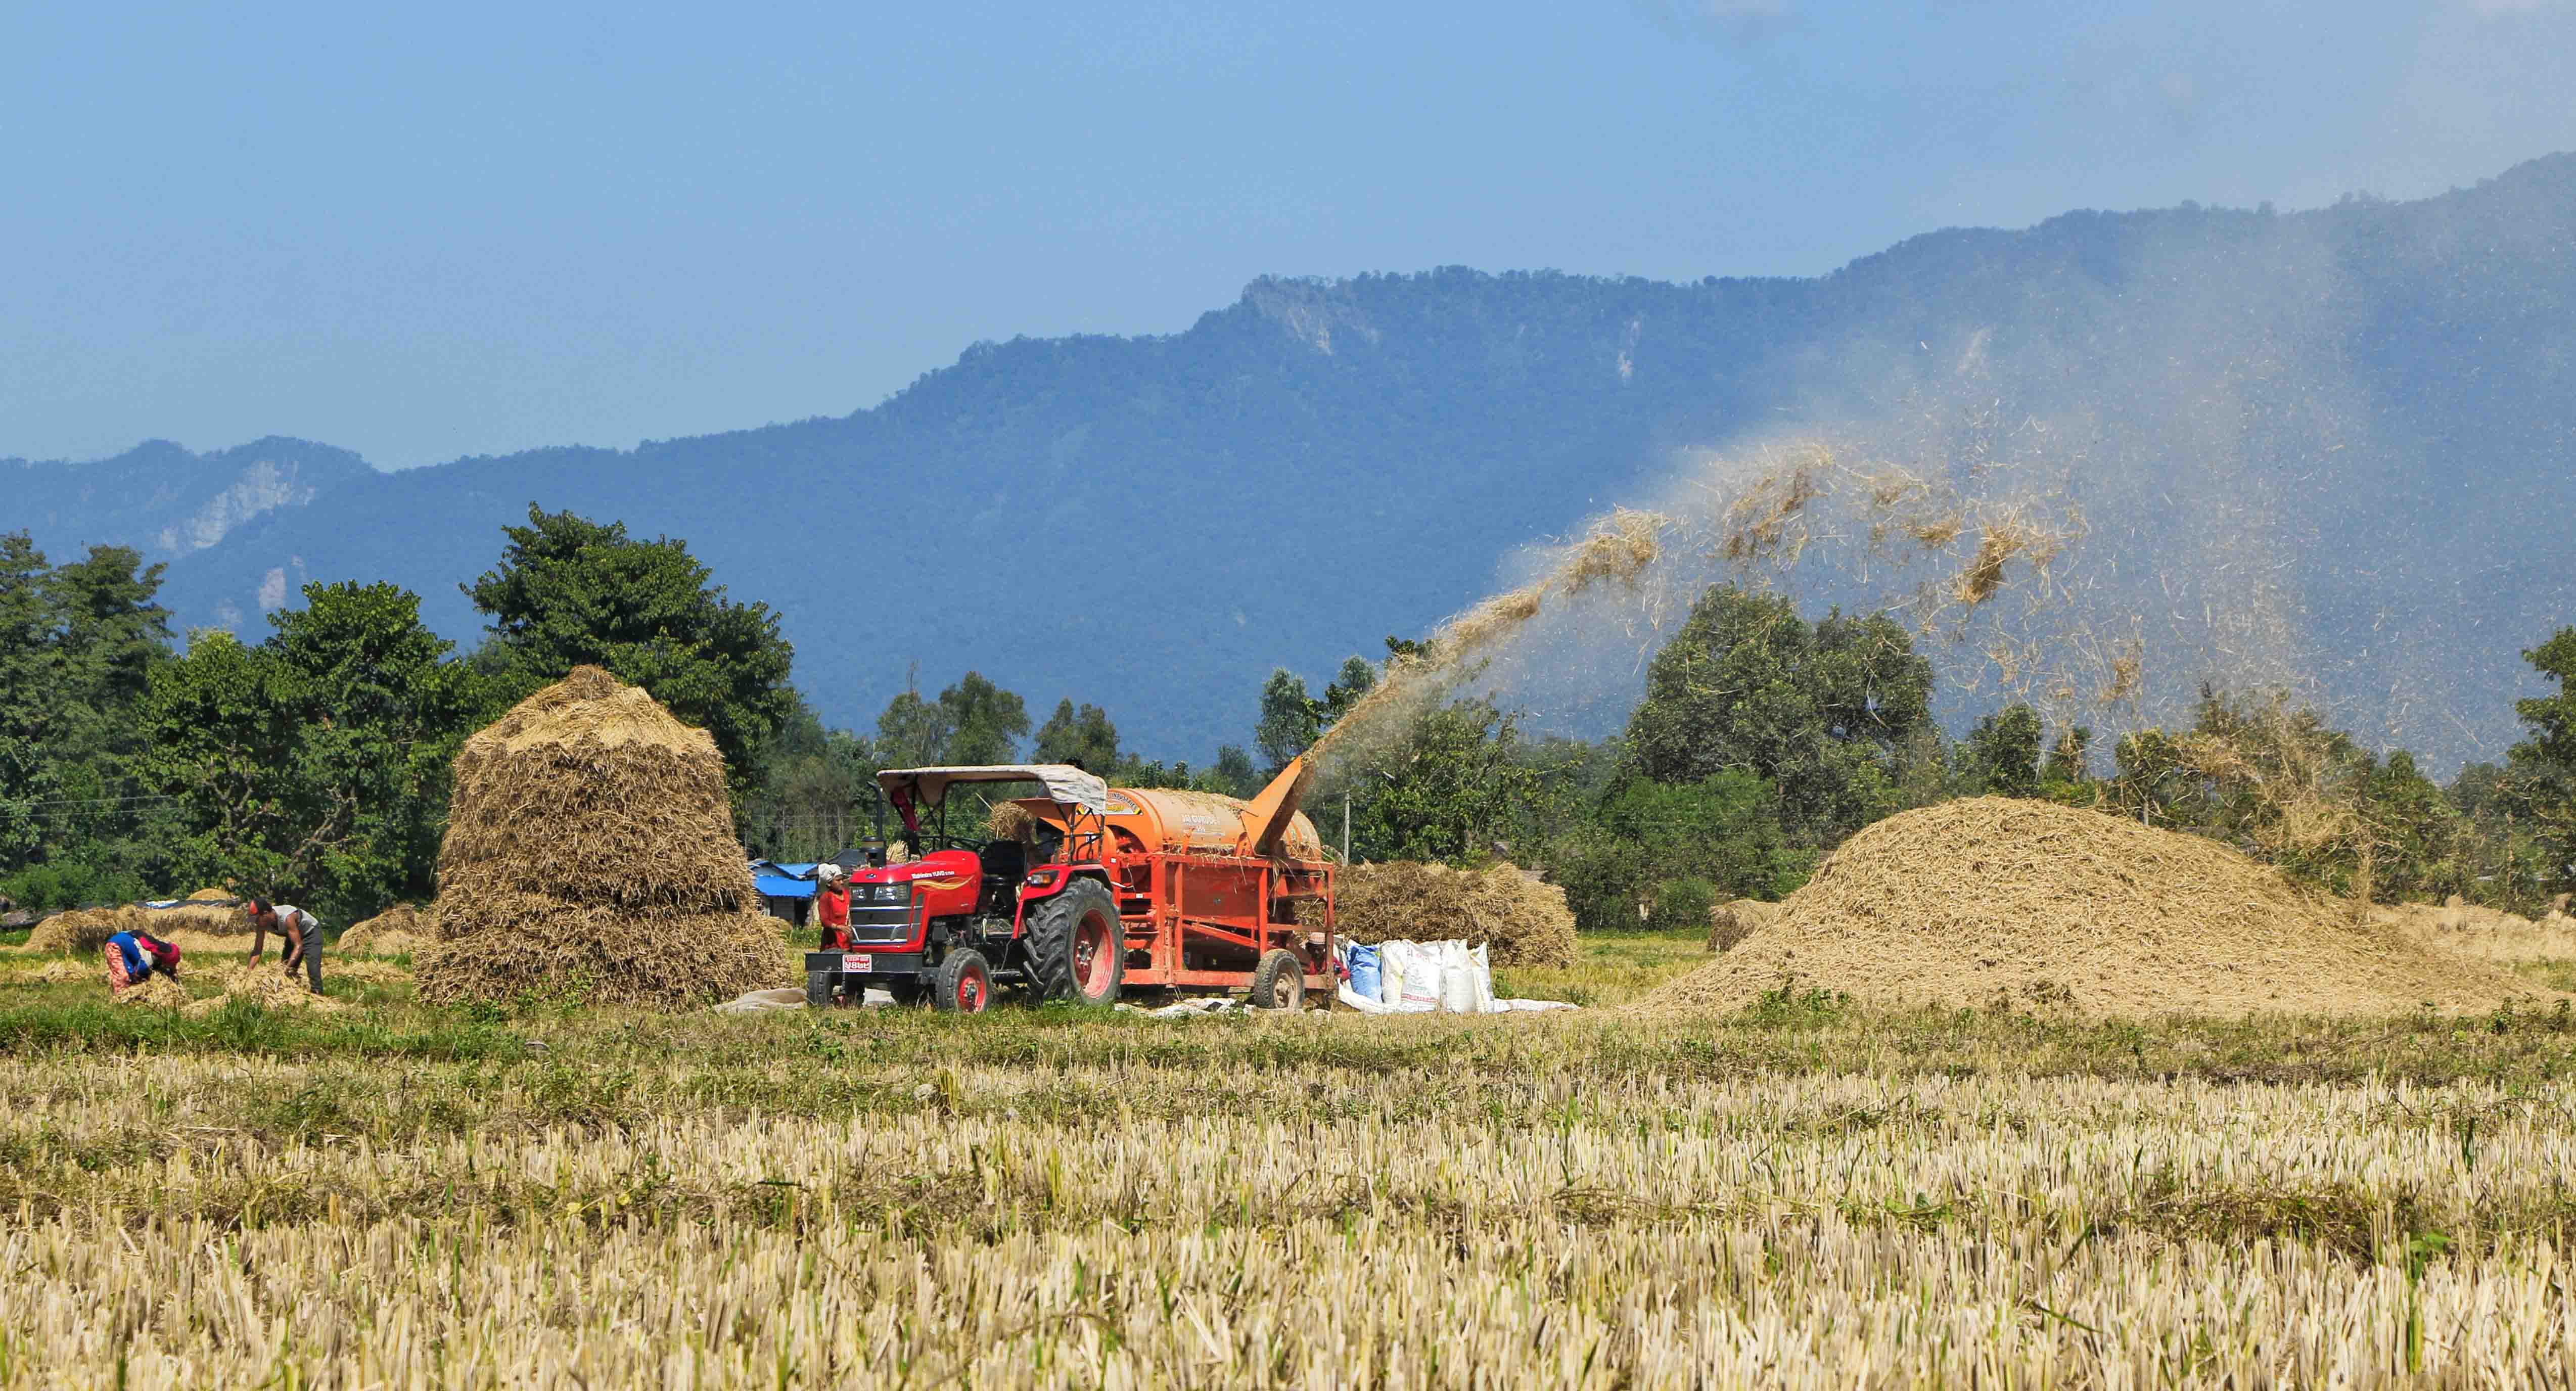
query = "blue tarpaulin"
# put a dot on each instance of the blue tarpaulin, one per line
(780, 886)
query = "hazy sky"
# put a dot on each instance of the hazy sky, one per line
(474, 228)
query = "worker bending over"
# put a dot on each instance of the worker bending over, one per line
(303, 934)
(135, 957)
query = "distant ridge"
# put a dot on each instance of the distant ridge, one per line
(1152, 523)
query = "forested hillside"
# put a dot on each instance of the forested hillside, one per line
(2374, 404)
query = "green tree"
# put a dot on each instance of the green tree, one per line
(2542, 767)
(1820, 712)
(817, 790)
(1233, 774)
(985, 723)
(912, 732)
(28, 692)
(1083, 736)
(1348, 686)
(2070, 760)
(1446, 789)
(572, 592)
(77, 645)
(1290, 719)
(316, 765)
(2002, 753)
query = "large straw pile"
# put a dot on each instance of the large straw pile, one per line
(1525, 920)
(1994, 901)
(397, 931)
(87, 929)
(590, 853)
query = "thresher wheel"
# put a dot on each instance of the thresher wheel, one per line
(1279, 982)
(1077, 946)
(963, 984)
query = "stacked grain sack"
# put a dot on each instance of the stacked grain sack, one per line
(590, 853)
(1524, 919)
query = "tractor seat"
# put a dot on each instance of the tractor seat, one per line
(1005, 864)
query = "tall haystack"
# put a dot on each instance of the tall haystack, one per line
(590, 852)
(1996, 901)
(1524, 919)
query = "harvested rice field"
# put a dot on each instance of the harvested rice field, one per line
(1796, 1193)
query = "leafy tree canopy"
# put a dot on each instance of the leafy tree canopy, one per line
(1818, 711)
(571, 592)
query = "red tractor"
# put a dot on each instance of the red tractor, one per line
(1103, 892)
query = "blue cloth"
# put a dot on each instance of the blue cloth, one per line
(137, 964)
(779, 886)
(1366, 970)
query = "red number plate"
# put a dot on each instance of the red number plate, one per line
(857, 961)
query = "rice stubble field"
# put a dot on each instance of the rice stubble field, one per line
(1801, 1193)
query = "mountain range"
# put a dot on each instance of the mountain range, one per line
(2359, 420)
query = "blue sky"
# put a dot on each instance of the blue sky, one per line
(472, 228)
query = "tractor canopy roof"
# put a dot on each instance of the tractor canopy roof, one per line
(1065, 783)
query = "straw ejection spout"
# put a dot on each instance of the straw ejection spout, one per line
(1267, 818)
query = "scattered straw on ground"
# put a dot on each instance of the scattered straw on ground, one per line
(1525, 920)
(2036, 906)
(2484, 934)
(590, 853)
(156, 992)
(365, 972)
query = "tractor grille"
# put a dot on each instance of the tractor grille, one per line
(881, 922)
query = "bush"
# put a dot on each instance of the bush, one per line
(68, 884)
(1682, 905)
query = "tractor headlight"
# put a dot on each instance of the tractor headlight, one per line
(891, 893)
(1039, 879)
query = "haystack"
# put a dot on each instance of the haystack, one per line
(590, 852)
(398, 931)
(1993, 900)
(82, 930)
(1524, 919)
(87, 929)
(214, 896)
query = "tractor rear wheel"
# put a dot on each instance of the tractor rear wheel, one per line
(1279, 982)
(1077, 947)
(963, 984)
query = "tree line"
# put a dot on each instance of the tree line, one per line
(313, 764)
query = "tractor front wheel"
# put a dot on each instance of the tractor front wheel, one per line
(1077, 946)
(1279, 982)
(963, 983)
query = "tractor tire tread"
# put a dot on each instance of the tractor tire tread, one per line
(1050, 944)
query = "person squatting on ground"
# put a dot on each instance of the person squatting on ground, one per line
(302, 932)
(135, 957)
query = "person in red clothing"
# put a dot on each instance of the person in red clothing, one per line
(832, 906)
